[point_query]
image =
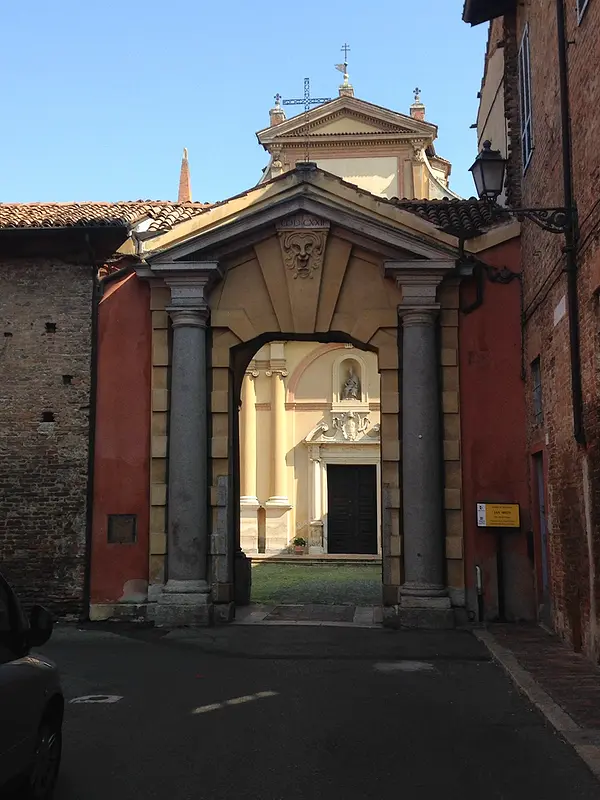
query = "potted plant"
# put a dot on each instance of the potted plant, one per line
(299, 545)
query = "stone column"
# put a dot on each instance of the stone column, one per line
(278, 505)
(248, 431)
(316, 470)
(248, 500)
(424, 600)
(315, 539)
(279, 442)
(185, 599)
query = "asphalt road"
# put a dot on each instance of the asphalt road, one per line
(324, 713)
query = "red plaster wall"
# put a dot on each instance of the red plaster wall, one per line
(493, 434)
(122, 456)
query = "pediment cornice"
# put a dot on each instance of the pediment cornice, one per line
(385, 123)
(398, 230)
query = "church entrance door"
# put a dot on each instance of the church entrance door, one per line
(352, 508)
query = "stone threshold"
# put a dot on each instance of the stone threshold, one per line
(311, 615)
(326, 558)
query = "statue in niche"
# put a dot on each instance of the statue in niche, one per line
(351, 387)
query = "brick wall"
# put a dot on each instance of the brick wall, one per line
(573, 508)
(43, 464)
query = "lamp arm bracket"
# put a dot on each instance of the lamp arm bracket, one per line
(555, 219)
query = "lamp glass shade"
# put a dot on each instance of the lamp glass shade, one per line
(488, 173)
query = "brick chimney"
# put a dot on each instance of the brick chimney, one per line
(417, 110)
(277, 114)
(185, 183)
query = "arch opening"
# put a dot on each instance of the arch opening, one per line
(306, 462)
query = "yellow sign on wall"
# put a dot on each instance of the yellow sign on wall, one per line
(498, 515)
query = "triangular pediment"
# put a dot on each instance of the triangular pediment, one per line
(251, 216)
(348, 117)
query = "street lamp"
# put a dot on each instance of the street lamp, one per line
(488, 172)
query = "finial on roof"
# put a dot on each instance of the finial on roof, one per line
(277, 114)
(185, 182)
(346, 89)
(417, 109)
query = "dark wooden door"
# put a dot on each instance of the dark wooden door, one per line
(352, 508)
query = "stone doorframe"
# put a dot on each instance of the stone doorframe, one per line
(333, 455)
(202, 523)
(321, 453)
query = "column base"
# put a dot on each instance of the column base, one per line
(278, 502)
(249, 501)
(316, 544)
(249, 524)
(420, 613)
(183, 603)
(423, 590)
(277, 534)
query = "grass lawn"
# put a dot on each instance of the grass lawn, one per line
(352, 584)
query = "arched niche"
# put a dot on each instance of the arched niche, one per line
(349, 361)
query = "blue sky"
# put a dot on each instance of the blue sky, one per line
(99, 98)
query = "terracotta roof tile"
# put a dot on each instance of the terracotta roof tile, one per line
(163, 214)
(462, 218)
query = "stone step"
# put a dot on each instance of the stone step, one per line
(329, 560)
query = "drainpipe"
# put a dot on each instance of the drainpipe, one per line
(571, 235)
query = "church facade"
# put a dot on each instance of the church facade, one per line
(261, 365)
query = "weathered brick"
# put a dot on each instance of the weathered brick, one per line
(43, 465)
(545, 286)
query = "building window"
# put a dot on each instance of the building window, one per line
(581, 7)
(536, 377)
(525, 99)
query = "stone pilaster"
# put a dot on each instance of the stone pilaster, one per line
(315, 536)
(248, 500)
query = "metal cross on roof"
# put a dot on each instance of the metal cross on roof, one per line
(307, 101)
(417, 92)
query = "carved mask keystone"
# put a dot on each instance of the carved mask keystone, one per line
(303, 238)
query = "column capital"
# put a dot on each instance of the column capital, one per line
(188, 317)
(251, 371)
(281, 371)
(418, 281)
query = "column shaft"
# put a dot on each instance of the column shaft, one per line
(421, 458)
(188, 456)
(316, 476)
(248, 431)
(279, 447)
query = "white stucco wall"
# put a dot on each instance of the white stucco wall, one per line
(377, 175)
